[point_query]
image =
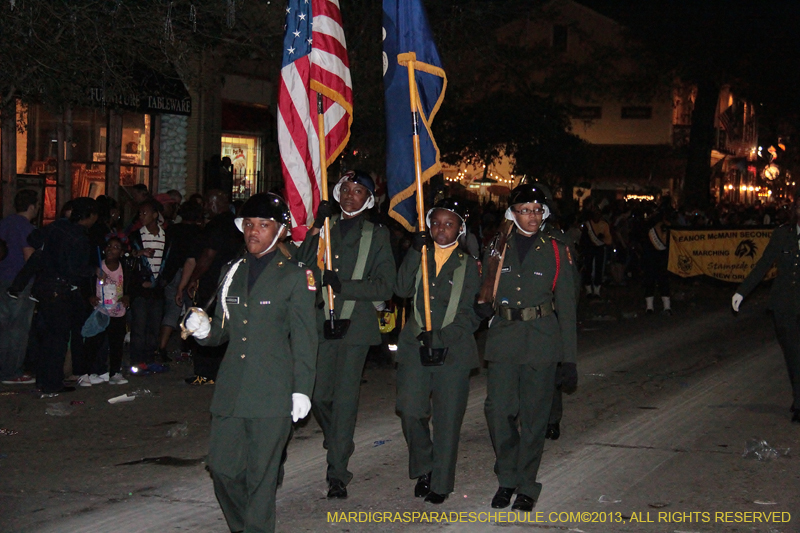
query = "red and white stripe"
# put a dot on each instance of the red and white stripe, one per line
(325, 70)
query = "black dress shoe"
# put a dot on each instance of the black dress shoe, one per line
(553, 431)
(502, 498)
(59, 391)
(423, 486)
(337, 490)
(434, 498)
(523, 503)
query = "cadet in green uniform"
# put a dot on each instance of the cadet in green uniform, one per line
(363, 272)
(533, 329)
(266, 313)
(437, 381)
(557, 407)
(783, 250)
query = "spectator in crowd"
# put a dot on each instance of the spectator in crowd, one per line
(220, 242)
(184, 239)
(226, 176)
(176, 196)
(169, 210)
(107, 224)
(596, 239)
(64, 275)
(139, 193)
(150, 247)
(111, 295)
(16, 313)
(197, 198)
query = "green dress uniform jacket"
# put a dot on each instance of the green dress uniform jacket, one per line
(375, 284)
(340, 362)
(438, 391)
(783, 251)
(522, 356)
(271, 354)
(557, 407)
(550, 339)
(273, 346)
(457, 336)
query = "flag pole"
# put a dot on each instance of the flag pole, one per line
(324, 182)
(412, 91)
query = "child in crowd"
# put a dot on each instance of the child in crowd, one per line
(111, 294)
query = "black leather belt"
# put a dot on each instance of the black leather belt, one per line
(526, 313)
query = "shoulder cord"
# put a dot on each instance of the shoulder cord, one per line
(558, 264)
(225, 287)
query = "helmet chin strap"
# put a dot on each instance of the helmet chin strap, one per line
(369, 203)
(443, 247)
(278, 235)
(461, 232)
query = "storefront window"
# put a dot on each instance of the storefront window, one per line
(244, 152)
(37, 156)
(89, 131)
(135, 158)
(89, 141)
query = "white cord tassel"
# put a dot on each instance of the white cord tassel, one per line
(226, 286)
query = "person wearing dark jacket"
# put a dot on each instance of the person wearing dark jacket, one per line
(433, 366)
(184, 238)
(783, 251)
(266, 319)
(150, 246)
(363, 273)
(62, 288)
(220, 242)
(533, 328)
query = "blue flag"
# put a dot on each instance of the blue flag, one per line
(406, 29)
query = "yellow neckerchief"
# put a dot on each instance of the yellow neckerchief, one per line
(441, 255)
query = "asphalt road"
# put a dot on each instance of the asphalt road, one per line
(652, 441)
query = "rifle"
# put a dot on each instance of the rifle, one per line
(497, 254)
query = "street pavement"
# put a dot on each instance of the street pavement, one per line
(653, 440)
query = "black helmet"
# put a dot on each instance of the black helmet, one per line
(453, 205)
(528, 193)
(360, 177)
(265, 205)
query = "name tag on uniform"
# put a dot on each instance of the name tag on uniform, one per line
(538, 274)
(505, 270)
(231, 299)
(264, 302)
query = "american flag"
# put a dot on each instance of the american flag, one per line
(314, 61)
(726, 118)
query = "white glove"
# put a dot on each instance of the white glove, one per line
(301, 405)
(199, 325)
(736, 301)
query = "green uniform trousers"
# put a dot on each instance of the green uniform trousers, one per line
(519, 395)
(335, 401)
(442, 391)
(244, 458)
